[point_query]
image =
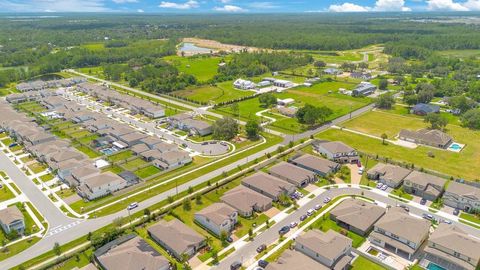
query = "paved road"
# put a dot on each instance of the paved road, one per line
(247, 252)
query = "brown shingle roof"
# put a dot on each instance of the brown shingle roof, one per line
(10, 214)
(328, 245)
(358, 213)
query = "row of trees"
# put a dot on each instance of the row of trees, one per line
(312, 115)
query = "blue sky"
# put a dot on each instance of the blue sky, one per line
(236, 6)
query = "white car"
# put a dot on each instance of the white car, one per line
(327, 200)
(310, 212)
(379, 185)
(360, 171)
(132, 206)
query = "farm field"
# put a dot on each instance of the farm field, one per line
(462, 165)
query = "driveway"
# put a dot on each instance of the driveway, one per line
(355, 177)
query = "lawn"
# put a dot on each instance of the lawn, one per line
(402, 194)
(325, 224)
(362, 263)
(470, 217)
(87, 151)
(120, 156)
(6, 193)
(213, 94)
(465, 164)
(147, 171)
(203, 67)
(37, 167)
(18, 247)
(134, 164)
(46, 177)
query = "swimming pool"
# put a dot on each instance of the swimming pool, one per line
(108, 151)
(432, 266)
(456, 147)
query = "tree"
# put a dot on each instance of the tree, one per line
(283, 199)
(362, 65)
(198, 199)
(471, 119)
(56, 249)
(319, 64)
(187, 206)
(225, 129)
(385, 101)
(235, 109)
(223, 237)
(250, 233)
(461, 103)
(384, 137)
(383, 84)
(436, 121)
(252, 128)
(311, 115)
(267, 100)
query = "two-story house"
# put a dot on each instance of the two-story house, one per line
(217, 218)
(424, 185)
(462, 196)
(336, 151)
(11, 219)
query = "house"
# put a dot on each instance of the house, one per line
(452, 248)
(462, 196)
(424, 109)
(133, 138)
(130, 252)
(197, 127)
(424, 185)
(101, 185)
(283, 83)
(315, 164)
(430, 137)
(130, 177)
(361, 75)
(244, 84)
(177, 238)
(268, 185)
(12, 219)
(331, 249)
(81, 173)
(246, 201)
(388, 174)
(53, 102)
(287, 111)
(336, 151)
(172, 159)
(399, 232)
(152, 141)
(217, 218)
(140, 148)
(285, 102)
(357, 216)
(295, 175)
(294, 260)
(332, 71)
(364, 89)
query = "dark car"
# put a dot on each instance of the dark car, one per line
(423, 202)
(284, 230)
(262, 263)
(303, 217)
(235, 265)
(261, 248)
(229, 239)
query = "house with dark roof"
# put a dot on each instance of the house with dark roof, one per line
(424, 109)
(336, 151)
(388, 174)
(298, 176)
(430, 137)
(364, 89)
(268, 185)
(246, 201)
(462, 196)
(315, 164)
(217, 218)
(357, 216)
(424, 185)
(177, 238)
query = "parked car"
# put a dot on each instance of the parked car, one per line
(379, 185)
(456, 212)
(284, 230)
(261, 248)
(327, 200)
(293, 224)
(132, 206)
(262, 263)
(303, 217)
(446, 221)
(318, 206)
(235, 265)
(359, 164)
(360, 171)
(384, 187)
(229, 239)
(405, 207)
(310, 212)
(427, 216)
(423, 202)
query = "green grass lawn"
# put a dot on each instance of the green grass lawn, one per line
(213, 94)
(64, 193)
(88, 139)
(147, 171)
(203, 68)
(470, 217)
(402, 194)
(6, 194)
(18, 247)
(325, 223)
(134, 164)
(46, 177)
(87, 151)
(37, 167)
(362, 263)
(120, 156)
(465, 164)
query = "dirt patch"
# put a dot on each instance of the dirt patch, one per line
(218, 46)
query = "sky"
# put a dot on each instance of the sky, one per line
(237, 6)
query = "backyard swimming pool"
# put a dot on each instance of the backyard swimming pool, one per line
(108, 151)
(456, 147)
(432, 266)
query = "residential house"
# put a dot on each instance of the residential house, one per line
(186, 123)
(244, 84)
(452, 248)
(177, 238)
(101, 185)
(332, 71)
(361, 75)
(12, 219)
(79, 174)
(336, 151)
(357, 216)
(246, 201)
(400, 233)
(133, 138)
(388, 174)
(217, 218)
(268, 185)
(294, 260)
(424, 109)
(315, 164)
(431, 137)
(364, 89)
(130, 252)
(331, 249)
(287, 111)
(283, 83)
(462, 196)
(298, 176)
(424, 185)
(171, 160)
(285, 102)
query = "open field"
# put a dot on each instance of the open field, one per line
(213, 94)
(463, 165)
(461, 53)
(202, 67)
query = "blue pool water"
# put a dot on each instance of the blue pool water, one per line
(455, 146)
(107, 151)
(432, 266)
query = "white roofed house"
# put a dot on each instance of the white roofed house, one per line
(101, 185)
(336, 151)
(244, 84)
(217, 218)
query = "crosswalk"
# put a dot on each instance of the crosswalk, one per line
(62, 228)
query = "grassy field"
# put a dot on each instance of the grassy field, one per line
(147, 171)
(6, 194)
(120, 156)
(203, 68)
(213, 94)
(461, 53)
(362, 263)
(134, 164)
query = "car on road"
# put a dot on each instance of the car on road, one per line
(236, 265)
(317, 207)
(310, 212)
(303, 217)
(261, 248)
(284, 230)
(13, 145)
(427, 216)
(384, 187)
(423, 202)
(224, 144)
(360, 171)
(262, 263)
(456, 212)
(132, 206)
(405, 208)
(446, 221)
(293, 224)
(327, 200)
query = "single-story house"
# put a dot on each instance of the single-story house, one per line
(424, 109)
(388, 174)
(431, 137)
(364, 89)
(298, 176)
(336, 151)
(217, 218)
(177, 238)
(361, 75)
(246, 201)
(268, 185)
(171, 160)
(244, 84)
(12, 219)
(315, 164)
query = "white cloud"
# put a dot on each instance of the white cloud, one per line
(140, 10)
(263, 5)
(225, 1)
(124, 1)
(348, 7)
(391, 5)
(229, 8)
(187, 5)
(53, 6)
(473, 5)
(446, 5)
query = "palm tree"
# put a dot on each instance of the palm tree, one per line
(384, 137)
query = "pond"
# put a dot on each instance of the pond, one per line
(192, 48)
